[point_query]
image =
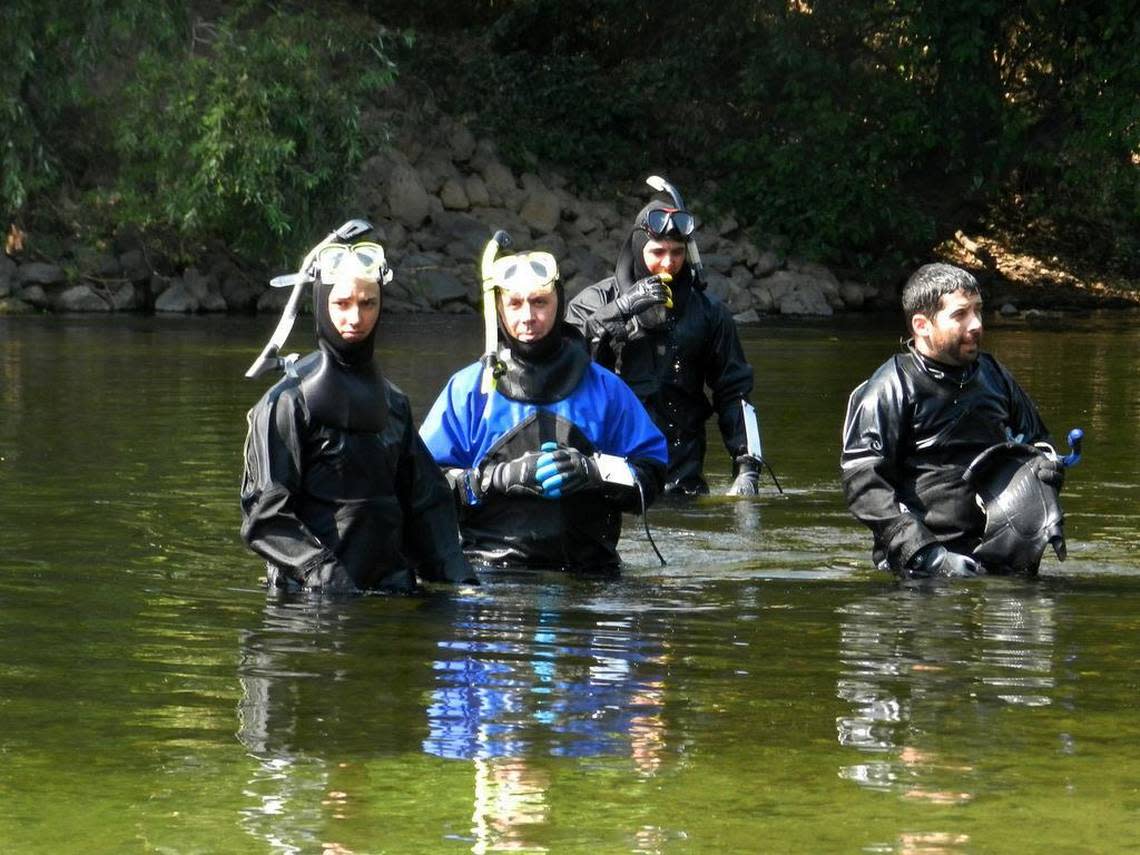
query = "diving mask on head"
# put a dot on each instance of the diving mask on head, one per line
(525, 273)
(370, 257)
(669, 224)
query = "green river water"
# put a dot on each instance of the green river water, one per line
(766, 691)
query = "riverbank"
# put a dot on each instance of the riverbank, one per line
(435, 193)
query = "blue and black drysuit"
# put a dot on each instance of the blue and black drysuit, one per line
(562, 398)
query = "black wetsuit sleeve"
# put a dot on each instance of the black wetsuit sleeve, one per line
(431, 529)
(870, 462)
(729, 377)
(271, 482)
(596, 316)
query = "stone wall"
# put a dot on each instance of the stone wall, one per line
(435, 195)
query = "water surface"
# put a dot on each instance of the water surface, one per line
(764, 691)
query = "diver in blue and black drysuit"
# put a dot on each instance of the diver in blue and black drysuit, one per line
(339, 493)
(544, 449)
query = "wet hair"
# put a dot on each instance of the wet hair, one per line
(924, 290)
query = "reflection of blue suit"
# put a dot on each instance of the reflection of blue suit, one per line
(466, 428)
(494, 702)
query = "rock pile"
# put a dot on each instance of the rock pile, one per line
(435, 196)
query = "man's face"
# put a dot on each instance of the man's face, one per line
(954, 335)
(354, 308)
(530, 316)
(664, 256)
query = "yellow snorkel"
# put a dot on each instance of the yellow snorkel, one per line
(490, 359)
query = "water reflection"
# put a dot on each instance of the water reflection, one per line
(927, 665)
(516, 683)
(328, 687)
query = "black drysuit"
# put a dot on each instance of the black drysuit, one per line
(670, 365)
(909, 434)
(339, 492)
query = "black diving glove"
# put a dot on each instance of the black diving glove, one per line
(563, 471)
(1049, 470)
(645, 294)
(746, 476)
(937, 560)
(513, 477)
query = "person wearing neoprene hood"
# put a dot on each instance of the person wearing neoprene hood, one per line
(339, 493)
(914, 428)
(654, 325)
(544, 449)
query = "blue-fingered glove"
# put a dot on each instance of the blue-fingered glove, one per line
(937, 560)
(563, 471)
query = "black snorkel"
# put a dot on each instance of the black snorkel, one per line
(306, 273)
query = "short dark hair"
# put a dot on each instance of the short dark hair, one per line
(924, 290)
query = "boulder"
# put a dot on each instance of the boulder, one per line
(434, 168)
(716, 261)
(541, 211)
(408, 201)
(851, 293)
(500, 181)
(80, 298)
(35, 296)
(126, 298)
(476, 190)
(40, 273)
(588, 264)
(727, 225)
(795, 293)
(177, 299)
(465, 236)
(454, 196)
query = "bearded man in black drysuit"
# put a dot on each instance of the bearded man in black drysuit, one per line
(653, 324)
(915, 427)
(339, 493)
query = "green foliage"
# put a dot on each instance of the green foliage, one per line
(860, 131)
(54, 52)
(250, 131)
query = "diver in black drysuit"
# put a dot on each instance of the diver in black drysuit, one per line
(339, 493)
(668, 358)
(910, 432)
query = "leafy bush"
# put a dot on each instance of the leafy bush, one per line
(250, 131)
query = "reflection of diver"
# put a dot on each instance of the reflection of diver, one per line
(320, 693)
(921, 662)
(514, 686)
(576, 691)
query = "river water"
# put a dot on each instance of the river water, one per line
(765, 691)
